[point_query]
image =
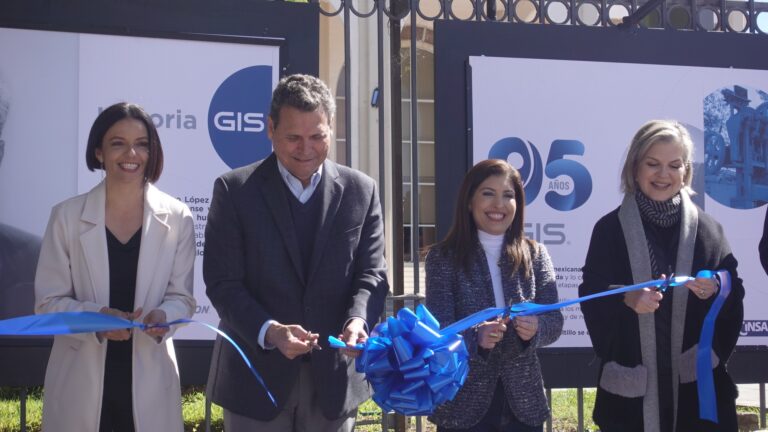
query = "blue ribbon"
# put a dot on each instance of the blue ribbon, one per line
(705, 379)
(59, 323)
(529, 308)
(413, 366)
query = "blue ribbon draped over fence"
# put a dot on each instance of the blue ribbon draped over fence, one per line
(414, 366)
(59, 323)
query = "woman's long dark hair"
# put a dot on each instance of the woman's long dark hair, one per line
(462, 237)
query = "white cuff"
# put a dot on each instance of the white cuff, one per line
(263, 335)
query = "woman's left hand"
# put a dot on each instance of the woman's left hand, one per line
(156, 320)
(703, 288)
(526, 326)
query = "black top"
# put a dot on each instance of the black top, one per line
(123, 264)
(664, 242)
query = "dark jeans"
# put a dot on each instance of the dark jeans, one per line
(499, 418)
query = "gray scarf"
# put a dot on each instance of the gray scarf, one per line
(663, 214)
(660, 213)
(637, 248)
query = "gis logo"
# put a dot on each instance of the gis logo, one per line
(237, 116)
(569, 185)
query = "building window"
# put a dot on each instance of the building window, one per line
(425, 139)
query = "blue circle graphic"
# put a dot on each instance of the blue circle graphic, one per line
(530, 170)
(237, 116)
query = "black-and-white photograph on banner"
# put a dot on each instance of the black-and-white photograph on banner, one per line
(566, 126)
(208, 99)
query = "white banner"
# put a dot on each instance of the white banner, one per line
(209, 101)
(567, 124)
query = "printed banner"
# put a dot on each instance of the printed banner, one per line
(208, 100)
(566, 126)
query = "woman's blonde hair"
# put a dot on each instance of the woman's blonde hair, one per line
(652, 132)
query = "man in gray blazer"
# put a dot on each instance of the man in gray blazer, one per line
(18, 250)
(294, 252)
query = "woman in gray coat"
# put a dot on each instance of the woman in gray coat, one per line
(486, 261)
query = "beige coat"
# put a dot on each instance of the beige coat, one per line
(73, 275)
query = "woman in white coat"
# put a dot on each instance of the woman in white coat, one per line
(125, 248)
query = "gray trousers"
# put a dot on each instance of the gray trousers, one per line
(301, 413)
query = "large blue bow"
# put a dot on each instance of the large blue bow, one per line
(411, 366)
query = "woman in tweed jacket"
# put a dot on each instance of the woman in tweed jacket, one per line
(486, 261)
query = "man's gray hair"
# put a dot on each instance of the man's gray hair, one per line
(303, 92)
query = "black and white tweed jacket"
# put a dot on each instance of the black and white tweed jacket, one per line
(453, 293)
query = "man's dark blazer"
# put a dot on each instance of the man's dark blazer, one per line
(253, 273)
(18, 260)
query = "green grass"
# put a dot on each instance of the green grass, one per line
(369, 417)
(193, 411)
(564, 411)
(10, 409)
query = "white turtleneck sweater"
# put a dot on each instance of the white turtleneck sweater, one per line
(492, 245)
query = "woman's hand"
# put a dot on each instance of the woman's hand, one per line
(703, 288)
(526, 326)
(156, 324)
(122, 334)
(643, 301)
(490, 333)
